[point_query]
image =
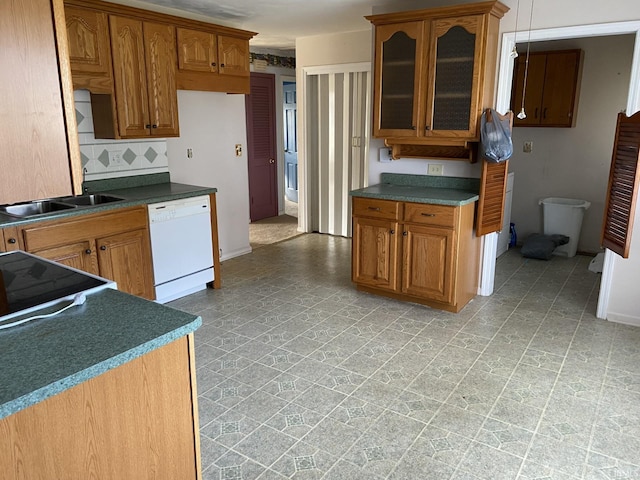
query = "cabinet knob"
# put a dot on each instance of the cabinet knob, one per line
(427, 127)
(103, 247)
(213, 64)
(88, 251)
(392, 231)
(271, 160)
(12, 241)
(154, 126)
(404, 234)
(413, 127)
(147, 126)
(222, 65)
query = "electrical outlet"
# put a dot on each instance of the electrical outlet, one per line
(189, 153)
(527, 147)
(435, 169)
(115, 158)
(238, 150)
(385, 154)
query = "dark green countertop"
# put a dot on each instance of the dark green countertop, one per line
(134, 193)
(453, 191)
(44, 357)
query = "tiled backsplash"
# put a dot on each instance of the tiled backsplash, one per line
(136, 157)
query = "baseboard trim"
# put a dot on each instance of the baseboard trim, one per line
(622, 318)
(235, 253)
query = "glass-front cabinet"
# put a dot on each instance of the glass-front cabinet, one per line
(434, 74)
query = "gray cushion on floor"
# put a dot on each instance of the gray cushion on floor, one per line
(540, 246)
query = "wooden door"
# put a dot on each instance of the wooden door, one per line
(197, 51)
(428, 262)
(375, 253)
(290, 142)
(80, 255)
(161, 61)
(233, 56)
(88, 36)
(126, 259)
(130, 79)
(261, 147)
(398, 80)
(559, 88)
(453, 95)
(534, 89)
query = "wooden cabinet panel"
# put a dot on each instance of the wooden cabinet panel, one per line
(551, 88)
(10, 239)
(371, 207)
(78, 255)
(375, 253)
(197, 51)
(125, 259)
(233, 54)
(132, 103)
(440, 215)
(138, 420)
(88, 36)
(428, 262)
(161, 60)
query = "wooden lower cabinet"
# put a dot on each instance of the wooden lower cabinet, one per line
(136, 421)
(422, 253)
(113, 244)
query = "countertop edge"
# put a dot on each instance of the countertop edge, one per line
(407, 198)
(81, 376)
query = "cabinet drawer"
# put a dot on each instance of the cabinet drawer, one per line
(369, 207)
(428, 214)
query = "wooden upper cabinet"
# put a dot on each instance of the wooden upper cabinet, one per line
(197, 51)
(144, 65)
(552, 88)
(88, 36)
(233, 54)
(434, 74)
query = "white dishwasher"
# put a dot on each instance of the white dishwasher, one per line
(181, 246)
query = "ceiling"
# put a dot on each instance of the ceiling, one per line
(280, 22)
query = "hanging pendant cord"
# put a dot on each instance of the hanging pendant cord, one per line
(526, 63)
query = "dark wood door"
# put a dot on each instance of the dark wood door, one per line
(261, 147)
(290, 143)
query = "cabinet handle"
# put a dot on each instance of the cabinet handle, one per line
(404, 234)
(375, 209)
(428, 214)
(535, 115)
(12, 241)
(103, 247)
(88, 251)
(544, 113)
(392, 231)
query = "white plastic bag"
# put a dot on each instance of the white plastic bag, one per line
(495, 136)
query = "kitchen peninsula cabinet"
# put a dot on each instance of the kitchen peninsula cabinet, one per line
(434, 74)
(417, 252)
(553, 80)
(114, 245)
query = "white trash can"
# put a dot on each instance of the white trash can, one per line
(564, 216)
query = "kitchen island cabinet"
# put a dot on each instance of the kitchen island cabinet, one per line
(416, 244)
(105, 390)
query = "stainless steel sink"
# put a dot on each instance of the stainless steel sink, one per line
(38, 207)
(91, 199)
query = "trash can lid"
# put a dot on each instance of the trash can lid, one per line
(565, 202)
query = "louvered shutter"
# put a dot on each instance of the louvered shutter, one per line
(623, 186)
(493, 186)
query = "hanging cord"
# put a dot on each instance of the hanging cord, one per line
(514, 51)
(522, 115)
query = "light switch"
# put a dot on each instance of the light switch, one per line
(527, 147)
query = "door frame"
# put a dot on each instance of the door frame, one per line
(503, 97)
(280, 119)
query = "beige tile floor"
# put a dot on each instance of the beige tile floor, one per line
(301, 376)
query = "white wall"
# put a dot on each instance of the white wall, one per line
(211, 124)
(574, 162)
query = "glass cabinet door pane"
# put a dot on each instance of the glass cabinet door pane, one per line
(398, 74)
(453, 80)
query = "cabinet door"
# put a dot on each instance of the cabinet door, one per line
(197, 51)
(455, 59)
(78, 255)
(399, 70)
(126, 259)
(533, 91)
(375, 253)
(560, 83)
(132, 104)
(428, 262)
(88, 37)
(233, 54)
(9, 239)
(161, 58)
